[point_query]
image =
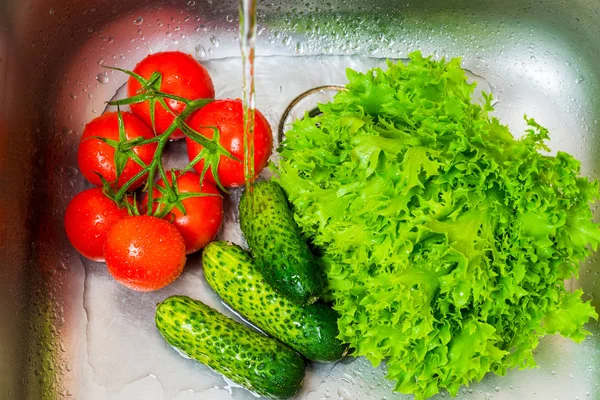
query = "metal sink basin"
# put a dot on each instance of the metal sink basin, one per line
(67, 331)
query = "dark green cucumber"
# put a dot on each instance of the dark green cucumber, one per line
(311, 330)
(277, 246)
(259, 363)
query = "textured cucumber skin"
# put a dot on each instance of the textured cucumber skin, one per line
(310, 330)
(259, 363)
(277, 246)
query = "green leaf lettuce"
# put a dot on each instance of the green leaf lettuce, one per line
(445, 240)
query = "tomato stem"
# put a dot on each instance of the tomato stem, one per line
(135, 142)
(164, 138)
(123, 189)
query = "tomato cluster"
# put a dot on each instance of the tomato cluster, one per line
(140, 219)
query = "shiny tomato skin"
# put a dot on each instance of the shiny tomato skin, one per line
(93, 155)
(227, 115)
(144, 253)
(202, 220)
(182, 76)
(88, 217)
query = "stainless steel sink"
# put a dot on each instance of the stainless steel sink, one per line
(67, 331)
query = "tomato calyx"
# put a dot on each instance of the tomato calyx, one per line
(150, 91)
(123, 150)
(211, 154)
(171, 197)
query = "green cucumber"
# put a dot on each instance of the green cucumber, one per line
(310, 330)
(277, 246)
(257, 362)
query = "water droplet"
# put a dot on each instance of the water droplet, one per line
(138, 20)
(191, 3)
(200, 51)
(553, 372)
(497, 388)
(215, 41)
(73, 95)
(102, 78)
(229, 18)
(52, 11)
(579, 80)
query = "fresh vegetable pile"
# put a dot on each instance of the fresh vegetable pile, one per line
(445, 239)
(142, 220)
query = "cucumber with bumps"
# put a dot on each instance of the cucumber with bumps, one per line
(279, 250)
(259, 363)
(311, 330)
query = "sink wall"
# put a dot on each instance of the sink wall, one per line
(538, 58)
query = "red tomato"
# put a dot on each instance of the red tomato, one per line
(88, 217)
(144, 253)
(182, 76)
(94, 155)
(202, 219)
(228, 117)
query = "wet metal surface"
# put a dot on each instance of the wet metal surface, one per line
(68, 331)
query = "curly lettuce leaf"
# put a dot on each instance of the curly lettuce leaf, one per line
(445, 240)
